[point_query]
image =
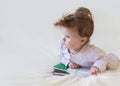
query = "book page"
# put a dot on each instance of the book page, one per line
(82, 72)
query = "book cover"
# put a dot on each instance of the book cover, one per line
(61, 67)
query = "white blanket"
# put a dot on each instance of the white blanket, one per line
(108, 78)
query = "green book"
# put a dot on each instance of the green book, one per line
(61, 70)
(61, 67)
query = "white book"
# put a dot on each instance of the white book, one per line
(81, 72)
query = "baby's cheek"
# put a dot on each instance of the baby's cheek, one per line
(69, 45)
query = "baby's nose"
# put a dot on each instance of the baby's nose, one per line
(63, 38)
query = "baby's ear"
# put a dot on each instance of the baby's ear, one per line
(84, 40)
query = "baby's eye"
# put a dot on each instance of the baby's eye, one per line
(67, 36)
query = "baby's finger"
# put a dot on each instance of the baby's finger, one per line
(94, 72)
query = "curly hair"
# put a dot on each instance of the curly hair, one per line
(81, 19)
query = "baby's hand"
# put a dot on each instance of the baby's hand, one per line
(94, 70)
(73, 65)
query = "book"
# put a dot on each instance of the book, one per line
(61, 70)
(61, 67)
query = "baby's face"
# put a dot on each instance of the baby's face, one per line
(72, 39)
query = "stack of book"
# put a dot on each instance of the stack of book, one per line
(61, 70)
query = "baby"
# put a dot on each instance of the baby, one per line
(75, 49)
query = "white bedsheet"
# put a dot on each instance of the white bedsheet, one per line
(108, 78)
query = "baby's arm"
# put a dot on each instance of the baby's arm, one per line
(99, 66)
(64, 60)
(99, 59)
(68, 63)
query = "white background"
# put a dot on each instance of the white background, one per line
(29, 41)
